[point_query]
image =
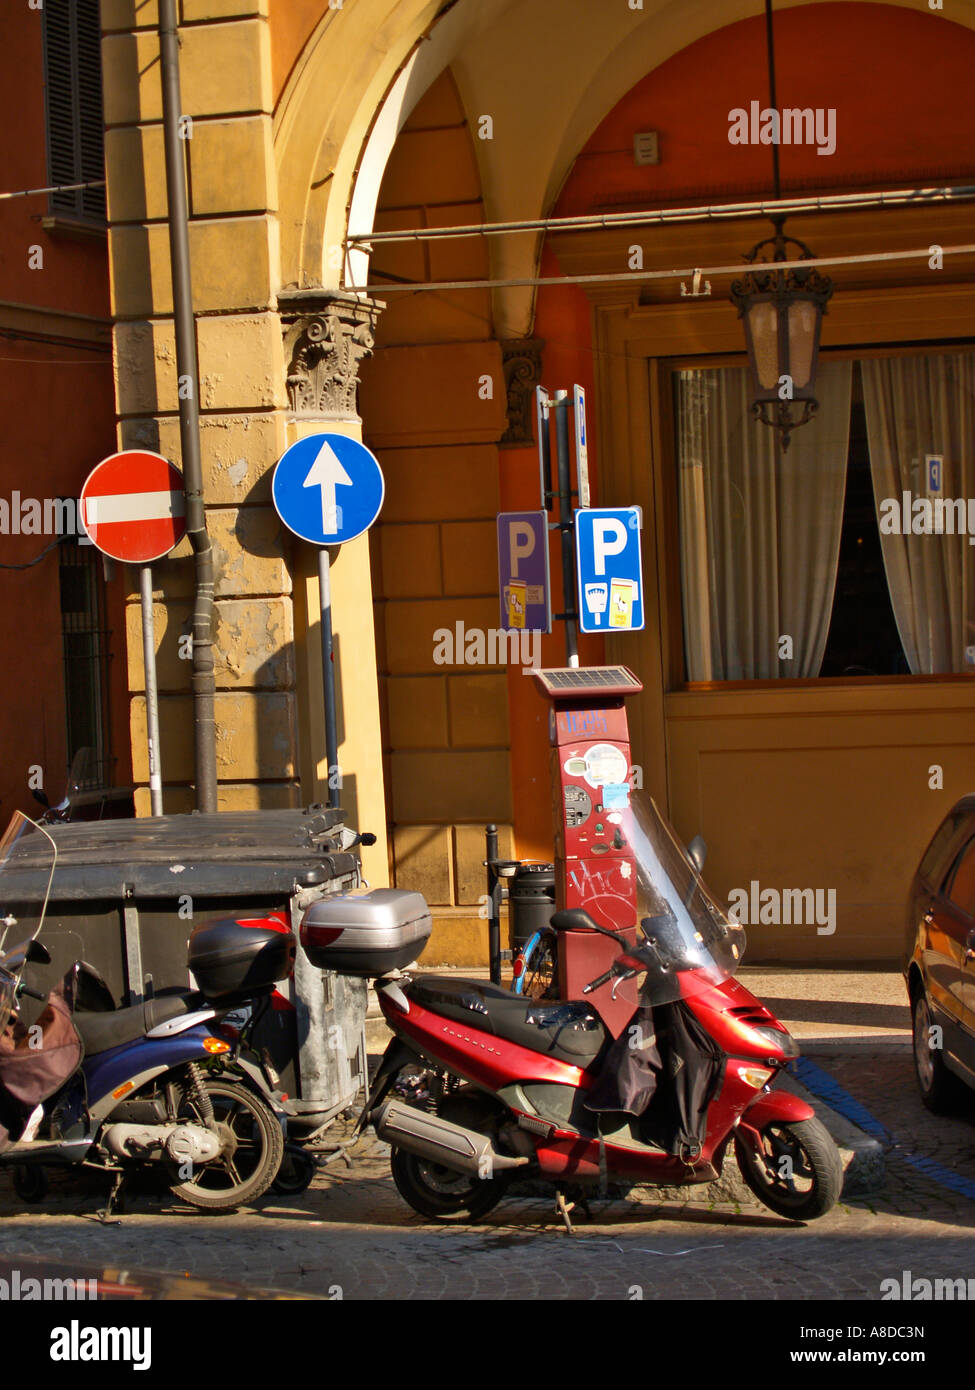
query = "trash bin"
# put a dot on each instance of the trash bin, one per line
(127, 894)
(531, 901)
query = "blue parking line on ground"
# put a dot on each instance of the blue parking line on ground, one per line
(823, 1085)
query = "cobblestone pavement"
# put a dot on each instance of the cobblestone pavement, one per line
(351, 1231)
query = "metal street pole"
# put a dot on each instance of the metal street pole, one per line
(561, 405)
(204, 683)
(494, 903)
(152, 692)
(328, 673)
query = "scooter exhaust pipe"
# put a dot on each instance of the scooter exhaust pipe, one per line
(429, 1136)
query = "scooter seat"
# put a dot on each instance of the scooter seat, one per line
(570, 1031)
(101, 1031)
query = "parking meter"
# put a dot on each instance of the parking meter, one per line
(595, 867)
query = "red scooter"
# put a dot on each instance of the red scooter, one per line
(479, 1084)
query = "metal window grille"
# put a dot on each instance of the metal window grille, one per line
(85, 637)
(73, 106)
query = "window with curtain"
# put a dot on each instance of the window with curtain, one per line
(799, 564)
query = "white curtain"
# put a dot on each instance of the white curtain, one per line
(919, 406)
(759, 529)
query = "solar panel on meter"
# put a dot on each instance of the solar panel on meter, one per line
(574, 682)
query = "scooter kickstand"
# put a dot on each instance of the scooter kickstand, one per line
(105, 1215)
(563, 1208)
(340, 1151)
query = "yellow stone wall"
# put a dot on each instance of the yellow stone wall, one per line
(435, 560)
(270, 727)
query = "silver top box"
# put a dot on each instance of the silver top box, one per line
(366, 933)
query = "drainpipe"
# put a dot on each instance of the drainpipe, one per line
(204, 727)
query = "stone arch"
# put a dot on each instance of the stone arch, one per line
(331, 152)
(326, 149)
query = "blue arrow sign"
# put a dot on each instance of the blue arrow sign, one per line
(609, 567)
(328, 488)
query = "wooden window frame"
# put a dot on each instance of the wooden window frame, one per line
(667, 483)
(71, 57)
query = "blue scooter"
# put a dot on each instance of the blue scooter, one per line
(88, 1083)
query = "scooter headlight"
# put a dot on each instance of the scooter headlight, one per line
(779, 1038)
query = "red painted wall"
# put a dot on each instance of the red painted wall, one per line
(899, 81)
(58, 408)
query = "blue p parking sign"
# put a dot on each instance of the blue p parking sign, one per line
(609, 565)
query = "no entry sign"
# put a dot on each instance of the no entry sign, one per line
(133, 507)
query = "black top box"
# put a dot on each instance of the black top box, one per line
(236, 959)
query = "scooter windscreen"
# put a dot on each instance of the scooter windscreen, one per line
(27, 859)
(685, 941)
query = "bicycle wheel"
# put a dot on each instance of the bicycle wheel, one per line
(540, 977)
(520, 964)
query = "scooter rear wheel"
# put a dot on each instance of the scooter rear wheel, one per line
(440, 1193)
(799, 1174)
(253, 1148)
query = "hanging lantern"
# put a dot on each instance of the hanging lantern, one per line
(782, 307)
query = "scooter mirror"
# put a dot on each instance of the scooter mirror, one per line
(697, 852)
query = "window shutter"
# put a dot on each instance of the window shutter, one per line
(73, 91)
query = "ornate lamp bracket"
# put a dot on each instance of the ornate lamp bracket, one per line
(764, 298)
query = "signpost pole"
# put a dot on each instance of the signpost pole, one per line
(561, 404)
(152, 693)
(494, 903)
(328, 673)
(327, 489)
(542, 405)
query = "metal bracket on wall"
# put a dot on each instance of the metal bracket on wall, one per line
(696, 291)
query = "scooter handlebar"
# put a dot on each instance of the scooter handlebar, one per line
(625, 972)
(599, 981)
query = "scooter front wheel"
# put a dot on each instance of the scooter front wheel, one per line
(440, 1193)
(798, 1173)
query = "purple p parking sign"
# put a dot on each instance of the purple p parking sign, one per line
(523, 571)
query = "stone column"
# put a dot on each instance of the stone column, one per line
(327, 334)
(225, 64)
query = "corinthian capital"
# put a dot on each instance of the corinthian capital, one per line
(327, 333)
